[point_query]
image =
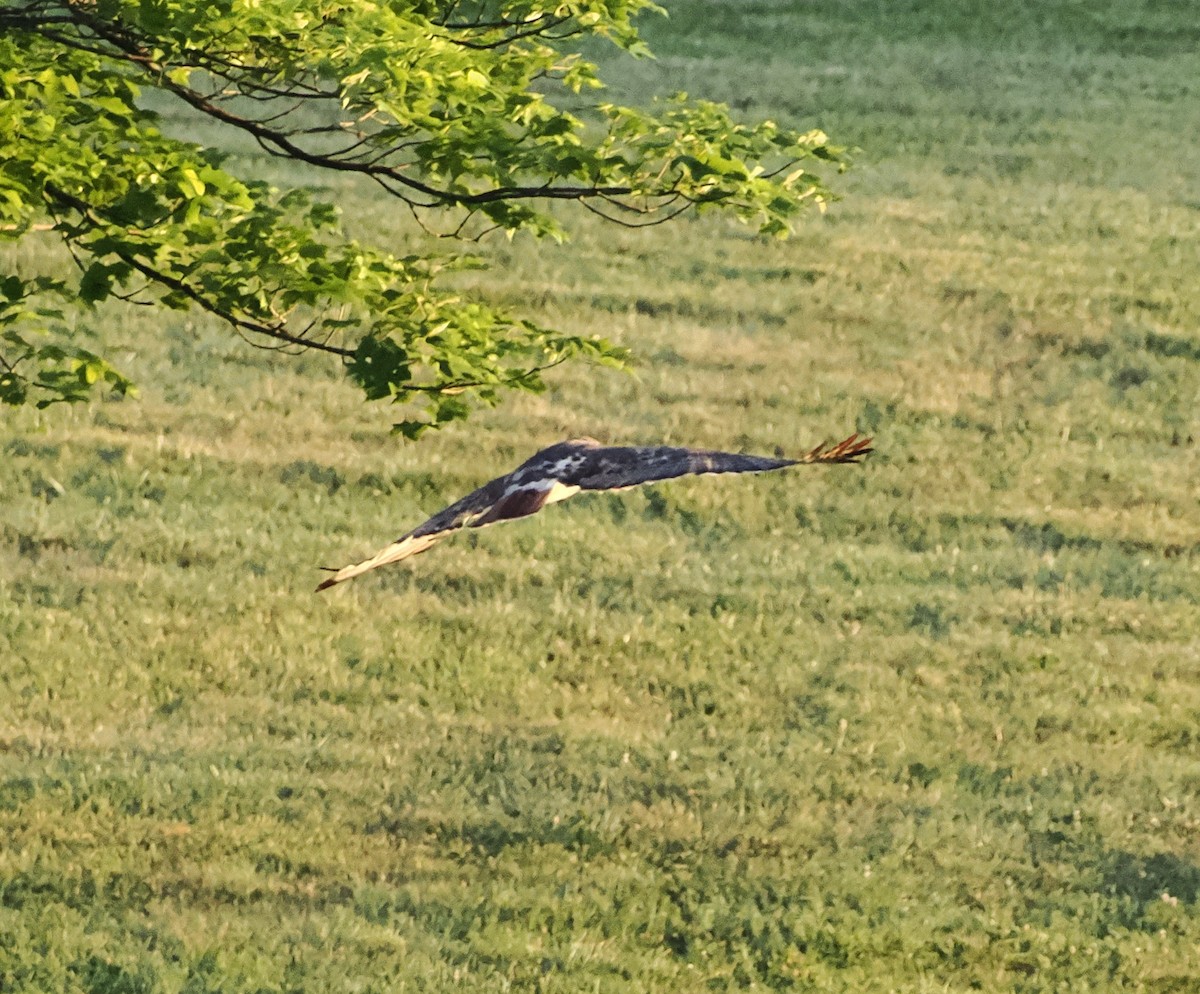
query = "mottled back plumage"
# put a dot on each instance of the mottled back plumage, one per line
(566, 468)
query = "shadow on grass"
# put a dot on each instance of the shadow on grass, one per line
(1133, 884)
(1134, 890)
(1147, 879)
(531, 789)
(922, 533)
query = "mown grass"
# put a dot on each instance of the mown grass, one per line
(924, 725)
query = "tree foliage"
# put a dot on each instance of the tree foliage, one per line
(456, 111)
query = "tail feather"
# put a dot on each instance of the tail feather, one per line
(408, 546)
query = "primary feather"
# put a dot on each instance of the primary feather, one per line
(566, 468)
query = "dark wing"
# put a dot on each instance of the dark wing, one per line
(617, 468)
(523, 491)
(620, 467)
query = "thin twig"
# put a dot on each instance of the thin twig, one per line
(179, 285)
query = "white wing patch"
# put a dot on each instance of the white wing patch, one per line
(560, 491)
(565, 465)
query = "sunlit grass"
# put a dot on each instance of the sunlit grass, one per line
(926, 724)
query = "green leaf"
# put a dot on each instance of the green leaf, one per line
(13, 287)
(95, 283)
(412, 430)
(190, 183)
(459, 120)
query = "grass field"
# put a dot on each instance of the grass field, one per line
(928, 724)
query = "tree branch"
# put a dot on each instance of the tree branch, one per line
(276, 142)
(179, 285)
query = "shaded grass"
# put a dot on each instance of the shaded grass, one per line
(924, 725)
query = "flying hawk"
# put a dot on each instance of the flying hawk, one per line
(563, 470)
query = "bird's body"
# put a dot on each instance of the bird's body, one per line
(565, 469)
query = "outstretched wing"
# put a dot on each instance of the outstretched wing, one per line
(620, 467)
(526, 490)
(564, 469)
(463, 512)
(617, 468)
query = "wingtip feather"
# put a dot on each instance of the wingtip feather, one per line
(410, 545)
(849, 450)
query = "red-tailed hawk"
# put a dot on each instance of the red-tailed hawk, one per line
(564, 469)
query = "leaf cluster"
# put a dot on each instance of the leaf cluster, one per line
(461, 113)
(60, 372)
